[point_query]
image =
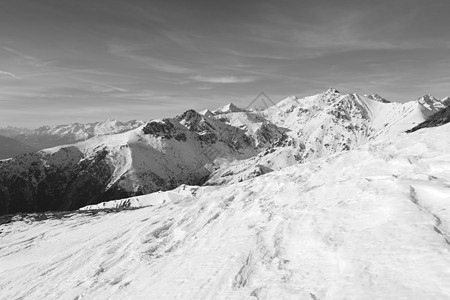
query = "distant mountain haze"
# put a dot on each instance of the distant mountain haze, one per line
(10, 147)
(51, 136)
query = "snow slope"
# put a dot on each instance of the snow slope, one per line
(370, 223)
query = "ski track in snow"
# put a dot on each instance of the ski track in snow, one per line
(371, 223)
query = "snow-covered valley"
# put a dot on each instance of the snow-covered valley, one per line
(370, 223)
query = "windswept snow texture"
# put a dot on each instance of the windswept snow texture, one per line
(371, 223)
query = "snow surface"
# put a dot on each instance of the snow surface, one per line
(371, 223)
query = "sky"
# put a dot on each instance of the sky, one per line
(64, 61)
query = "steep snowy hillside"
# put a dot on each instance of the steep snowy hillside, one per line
(370, 223)
(10, 147)
(47, 136)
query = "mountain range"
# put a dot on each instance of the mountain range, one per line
(117, 160)
(50, 136)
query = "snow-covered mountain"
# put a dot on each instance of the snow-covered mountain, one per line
(157, 156)
(370, 223)
(229, 108)
(324, 124)
(51, 136)
(431, 103)
(224, 146)
(11, 131)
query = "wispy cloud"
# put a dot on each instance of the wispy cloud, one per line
(129, 52)
(143, 95)
(18, 53)
(224, 79)
(104, 87)
(29, 59)
(7, 74)
(256, 55)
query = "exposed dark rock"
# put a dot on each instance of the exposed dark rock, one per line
(54, 182)
(191, 119)
(440, 118)
(208, 138)
(378, 98)
(163, 129)
(181, 137)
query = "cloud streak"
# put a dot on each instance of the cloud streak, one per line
(128, 52)
(18, 53)
(104, 87)
(224, 79)
(7, 74)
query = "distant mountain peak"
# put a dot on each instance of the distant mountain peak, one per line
(331, 91)
(428, 97)
(229, 108)
(431, 103)
(206, 113)
(190, 119)
(109, 121)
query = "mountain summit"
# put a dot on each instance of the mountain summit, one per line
(431, 103)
